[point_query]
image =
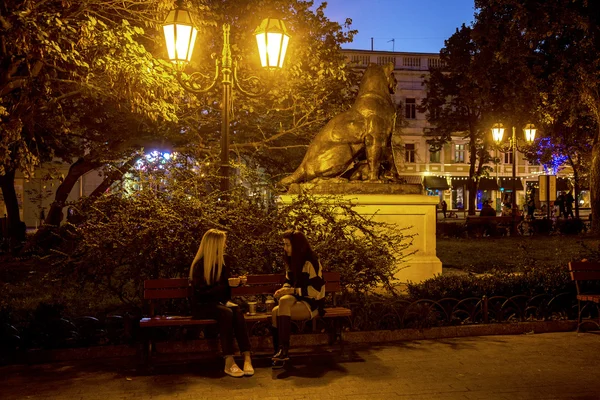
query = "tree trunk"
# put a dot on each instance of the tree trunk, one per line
(14, 225)
(80, 167)
(595, 187)
(114, 176)
(43, 237)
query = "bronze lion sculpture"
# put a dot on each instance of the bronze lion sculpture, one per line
(363, 130)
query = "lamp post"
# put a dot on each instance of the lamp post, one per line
(498, 134)
(180, 34)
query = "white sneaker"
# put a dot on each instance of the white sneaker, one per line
(248, 369)
(234, 371)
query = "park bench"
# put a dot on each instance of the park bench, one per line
(159, 291)
(478, 226)
(587, 280)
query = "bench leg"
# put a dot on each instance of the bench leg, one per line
(578, 315)
(146, 348)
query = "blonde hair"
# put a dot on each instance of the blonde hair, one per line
(212, 248)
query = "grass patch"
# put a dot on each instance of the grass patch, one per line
(509, 254)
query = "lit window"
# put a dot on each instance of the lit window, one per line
(409, 153)
(459, 153)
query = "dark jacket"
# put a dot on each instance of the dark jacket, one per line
(218, 292)
(487, 211)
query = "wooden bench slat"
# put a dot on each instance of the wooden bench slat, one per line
(166, 320)
(253, 290)
(584, 266)
(266, 279)
(174, 321)
(585, 275)
(167, 294)
(166, 283)
(589, 297)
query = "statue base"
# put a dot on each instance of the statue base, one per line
(343, 186)
(416, 211)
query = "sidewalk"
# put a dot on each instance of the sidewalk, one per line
(536, 366)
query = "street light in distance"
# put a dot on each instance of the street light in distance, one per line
(498, 135)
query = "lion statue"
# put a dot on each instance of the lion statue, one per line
(364, 131)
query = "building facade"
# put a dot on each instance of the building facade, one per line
(444, 173)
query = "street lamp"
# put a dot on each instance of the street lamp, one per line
(498, 134)
(180, 35)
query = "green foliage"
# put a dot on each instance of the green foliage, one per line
(573, 226)
(551, 280)
(155, 231)
(450, 230)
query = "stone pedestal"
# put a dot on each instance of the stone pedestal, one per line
(405, 210)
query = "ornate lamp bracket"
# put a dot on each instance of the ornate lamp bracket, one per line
(255, 87)
(196, 82)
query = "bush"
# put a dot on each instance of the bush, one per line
(572, 226)
(532, 281)
(155, 232)
(542, 226)
(450, 230)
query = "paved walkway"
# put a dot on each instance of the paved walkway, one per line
(544, 366)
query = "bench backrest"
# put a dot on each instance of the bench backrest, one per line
(584, 271)
(176, 288)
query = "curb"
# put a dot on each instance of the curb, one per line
(306, 340)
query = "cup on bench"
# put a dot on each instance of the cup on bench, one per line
(234, 282)
(243, 280)
(251, 308)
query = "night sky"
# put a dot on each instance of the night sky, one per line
(416, 25)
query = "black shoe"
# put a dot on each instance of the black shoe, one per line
(276, 364)
(282, 354)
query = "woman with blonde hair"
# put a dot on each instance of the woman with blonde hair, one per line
(209, 277)
(302, 295)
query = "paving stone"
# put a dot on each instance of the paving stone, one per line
(550, 366)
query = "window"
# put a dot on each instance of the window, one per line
(410, 109)
(409, 153)
(508, 157)
(434, 156)
(459, 153)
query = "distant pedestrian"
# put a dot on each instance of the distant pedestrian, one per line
(569, 200)
(530, 208)
(487, 210)
(444, 207)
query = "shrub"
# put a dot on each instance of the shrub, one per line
(154, 232)
(532, 281)
(450, 230)
(542, 226)
(572, 226)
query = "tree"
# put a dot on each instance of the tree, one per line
(458, 103)
(76, 74)
(314, 85)
(57, 55)
(563, 37)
